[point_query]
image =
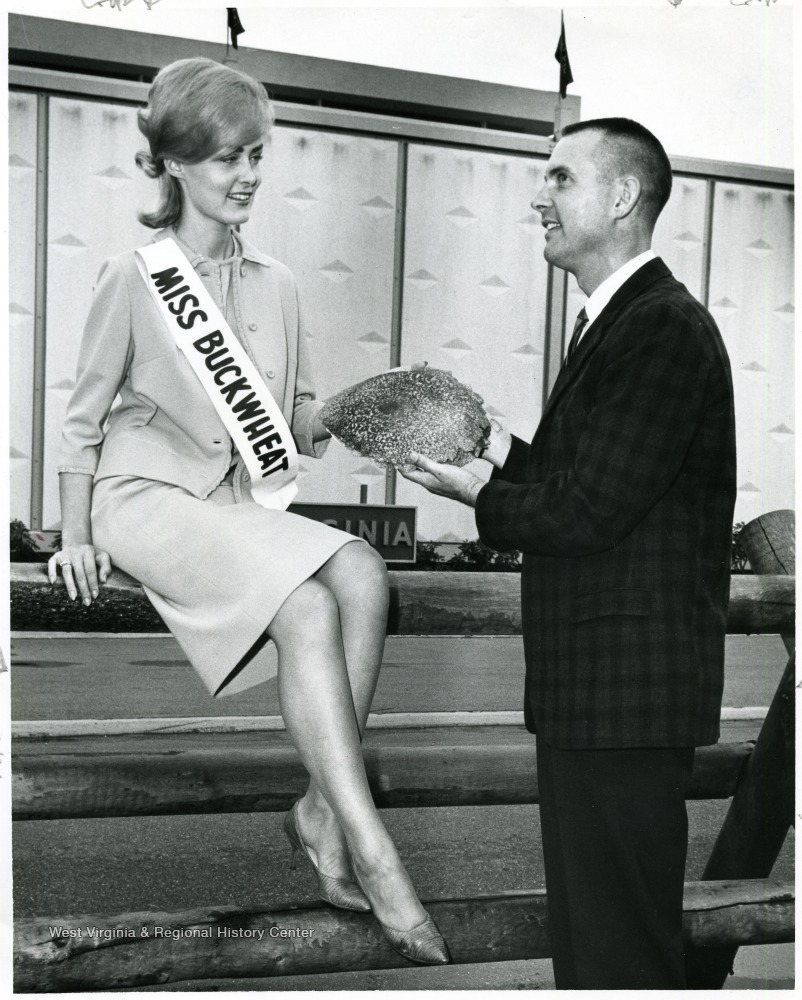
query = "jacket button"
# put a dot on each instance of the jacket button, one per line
(246, 477)
(252, 325)
(242, 271)
(270, 373)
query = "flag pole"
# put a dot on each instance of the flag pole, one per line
(561, 55)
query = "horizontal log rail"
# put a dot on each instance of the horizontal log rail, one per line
(421, 603)
(144, 949)
(178, 774)
(41, 729)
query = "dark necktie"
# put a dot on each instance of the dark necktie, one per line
(579, 326)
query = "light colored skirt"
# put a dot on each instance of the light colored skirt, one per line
(217, 571)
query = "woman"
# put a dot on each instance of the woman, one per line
(160, 492)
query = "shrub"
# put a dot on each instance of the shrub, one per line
(740, 560)
(476, 557)
(23, 546)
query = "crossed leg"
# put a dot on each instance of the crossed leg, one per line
(330, 637)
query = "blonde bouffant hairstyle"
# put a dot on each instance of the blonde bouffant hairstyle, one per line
(196, 107)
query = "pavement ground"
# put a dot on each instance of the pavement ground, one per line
(178, 862)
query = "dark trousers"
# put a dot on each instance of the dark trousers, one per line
(615, 837)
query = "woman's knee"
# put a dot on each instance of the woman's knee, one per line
(365, 562)
(358, 570)
(310, 610)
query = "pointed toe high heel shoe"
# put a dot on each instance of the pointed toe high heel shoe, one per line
(423, 944)
(340, 892)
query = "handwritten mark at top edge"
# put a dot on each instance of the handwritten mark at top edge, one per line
(116, 4)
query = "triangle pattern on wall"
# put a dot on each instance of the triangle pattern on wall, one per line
(461, 216)
(760, 249)
(373, 342)
(526, 352)
(688, 241)
(377, 207)
(368, 472)
(786, 313)
(422, 279)
(782, 433)
(69, 245)
(300, 199)
(494, 285)
(337, 271)
(456, 346)
(113, 177)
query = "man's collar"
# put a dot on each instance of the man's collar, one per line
(607, 289)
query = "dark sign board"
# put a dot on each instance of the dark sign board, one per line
(389, 529)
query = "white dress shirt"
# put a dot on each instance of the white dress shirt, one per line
(607, 289)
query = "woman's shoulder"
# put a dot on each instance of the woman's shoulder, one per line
(254, 254)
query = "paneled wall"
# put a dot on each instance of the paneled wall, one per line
(474, 294)
(22, 163)
(94, 191)
(752, 298)
(358, 217)
(326, 208)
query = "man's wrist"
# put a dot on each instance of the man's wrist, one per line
(472, 492)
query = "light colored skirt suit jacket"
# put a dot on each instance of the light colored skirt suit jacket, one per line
(171, 501)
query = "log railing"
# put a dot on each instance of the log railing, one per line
(735, 904)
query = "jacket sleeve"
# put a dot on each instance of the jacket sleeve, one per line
(306, 406)
(514, 468)
(650, 399)
(105, 355)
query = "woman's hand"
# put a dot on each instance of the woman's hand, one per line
(319, 430)
(83, 567)
(443, 480)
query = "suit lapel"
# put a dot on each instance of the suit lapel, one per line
(645, 276)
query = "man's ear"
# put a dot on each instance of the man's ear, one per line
(629, 194)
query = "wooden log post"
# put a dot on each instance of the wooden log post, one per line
(178, 775)
(762, 808)
(131, 950)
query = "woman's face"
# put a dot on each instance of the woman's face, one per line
(222, 187)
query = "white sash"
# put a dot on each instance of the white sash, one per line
(250, 414)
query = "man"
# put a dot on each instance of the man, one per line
(622, 505)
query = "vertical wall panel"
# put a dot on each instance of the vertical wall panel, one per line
(22, 165)
(94, 192)
(474, 294)
(327, 210)
(752, 298)
(679, 233)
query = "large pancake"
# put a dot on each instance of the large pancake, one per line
(425, 410)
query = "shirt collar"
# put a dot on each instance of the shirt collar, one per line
(607, 289)
(241, 248)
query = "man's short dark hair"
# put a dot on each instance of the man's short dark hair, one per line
(628, 147)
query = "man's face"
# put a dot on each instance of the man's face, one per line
(575, 204)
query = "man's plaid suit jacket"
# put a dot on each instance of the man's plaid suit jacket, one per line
(622, 505)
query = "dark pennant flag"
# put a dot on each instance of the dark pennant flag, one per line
(561, 55)
(234, 25)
